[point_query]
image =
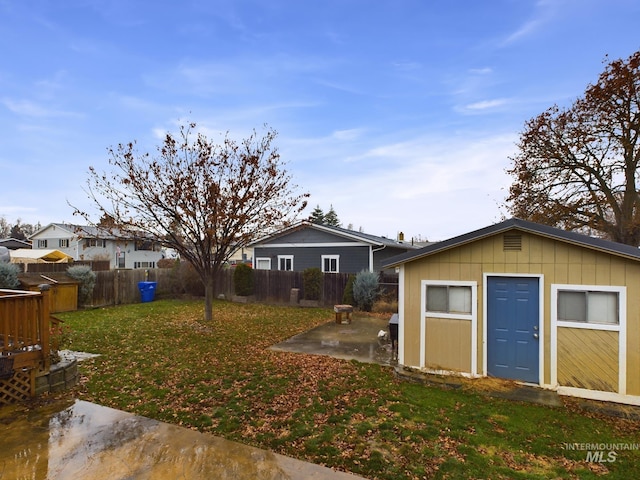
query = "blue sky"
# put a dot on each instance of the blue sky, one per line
(401, 114)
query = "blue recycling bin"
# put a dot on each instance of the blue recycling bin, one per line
(147, 290)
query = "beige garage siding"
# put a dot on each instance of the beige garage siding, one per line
(560, 263)
(588, 359)
(448, 344)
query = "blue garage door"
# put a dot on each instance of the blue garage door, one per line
(512, 328)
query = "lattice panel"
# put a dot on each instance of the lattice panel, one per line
(16, 389)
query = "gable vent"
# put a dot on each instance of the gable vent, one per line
(512, 241)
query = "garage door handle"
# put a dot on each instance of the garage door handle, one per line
(535, 335)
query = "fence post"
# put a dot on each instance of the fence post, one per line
(44, 325)
(116, 288)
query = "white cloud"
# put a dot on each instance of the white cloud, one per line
(33, 109)
(485, 104)
(350, 134)
(420, 185)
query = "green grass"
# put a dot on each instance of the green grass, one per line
(161, 360)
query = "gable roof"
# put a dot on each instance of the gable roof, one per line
(13, 243)
(91, 231)
(339, 231)
(574, 238)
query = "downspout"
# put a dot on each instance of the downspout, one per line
(371, 252)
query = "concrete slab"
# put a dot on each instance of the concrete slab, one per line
(87, 441)
(357, 340)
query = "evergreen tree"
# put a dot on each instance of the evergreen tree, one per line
(317, 216)
(331, 218)
(17, 233)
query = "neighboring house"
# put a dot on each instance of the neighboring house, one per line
(526, 302)
(242, 255)
(14, 243)
(93, 243)
(332, 249)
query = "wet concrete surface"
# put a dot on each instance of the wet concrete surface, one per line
(80, 440)
(357, 340)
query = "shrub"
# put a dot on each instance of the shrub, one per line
(347, 296)
(87, 279)
(189, 281)
(243, 280)
(9, 275)
(167, 262)
(365, 290)
(312, 283)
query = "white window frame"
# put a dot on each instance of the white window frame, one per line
(330, 257)
(267, 260)
(285, 257)
(63, 243)
(120, 260)
(620, 327)
(472, 317)
(622, 306)
(42, 243)
(452, 283)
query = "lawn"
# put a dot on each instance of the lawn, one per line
(161, 360)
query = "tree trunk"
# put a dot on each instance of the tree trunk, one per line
(209, 291)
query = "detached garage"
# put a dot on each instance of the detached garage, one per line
(526, 302)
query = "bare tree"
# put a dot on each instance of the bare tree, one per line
(5, 228)
(577, 168)
(202, 199)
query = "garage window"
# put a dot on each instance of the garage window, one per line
(588, 306)
(454, 299)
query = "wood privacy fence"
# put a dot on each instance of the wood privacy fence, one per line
(114, 287)
(48, 267)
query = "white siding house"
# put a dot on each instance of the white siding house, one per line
(92, 243)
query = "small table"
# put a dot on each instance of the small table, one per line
(340, 309)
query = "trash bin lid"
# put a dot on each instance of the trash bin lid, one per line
(395, 320)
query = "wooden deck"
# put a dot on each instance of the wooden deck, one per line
(24, 341)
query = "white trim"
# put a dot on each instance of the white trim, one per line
(257, 259)
(285, 257)
(449, 373)
(315, 245)
(620, 327)
(541, 337)
(473, 317)
(423, 323)
(306, 224)
(401, 314)
(330, 257)
(599, 395)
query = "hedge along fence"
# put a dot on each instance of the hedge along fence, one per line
(115, 287)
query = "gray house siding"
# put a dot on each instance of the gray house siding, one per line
(381, 256)
(308, 235)
(352, 259)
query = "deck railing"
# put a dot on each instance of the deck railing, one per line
(24, 328)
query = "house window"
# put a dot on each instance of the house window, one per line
(144, 264)
(120, 260)
(63, 243)
(95, 242)
(285, 262)
(450, 299)
(263, 263)
(143, 245)
(331, 263)
(588, 306)
(42, 243)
